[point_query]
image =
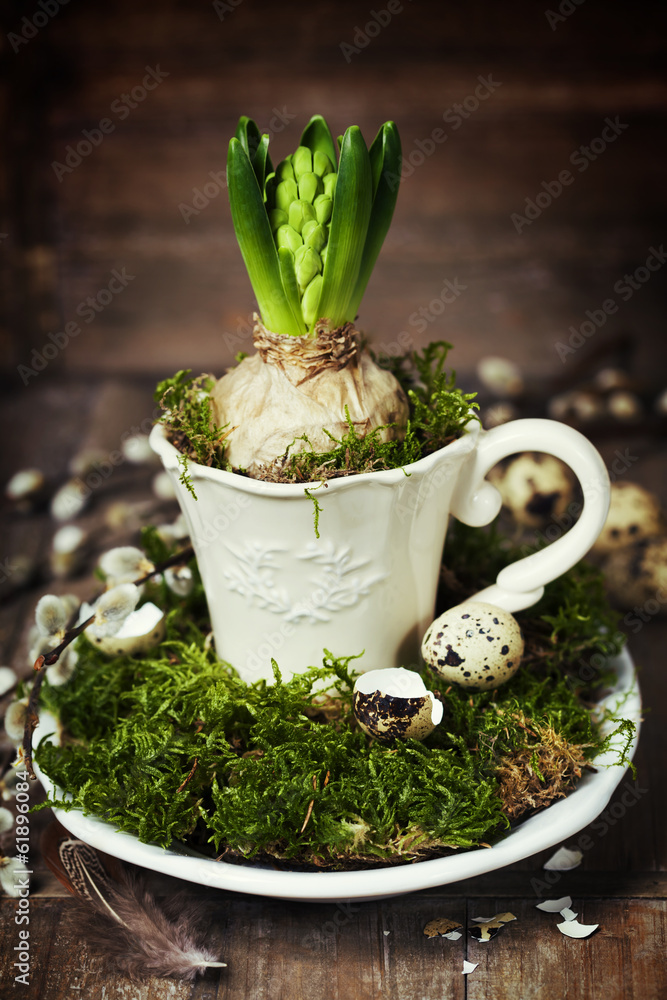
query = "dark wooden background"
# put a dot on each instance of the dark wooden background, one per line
(188, 305)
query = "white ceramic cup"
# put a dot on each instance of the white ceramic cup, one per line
(368, 583)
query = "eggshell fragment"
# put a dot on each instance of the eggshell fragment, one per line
(554, 905)
(142, 630)
(564, 860)
(474, 644)
(440, 927)
(573, 929)
(394, 704)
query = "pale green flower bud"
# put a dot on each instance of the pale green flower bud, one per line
(311, 300)
(329, 183)
(300, 212)
(288, 237)
(323, 205)
(310, 185)
(316, 236)
(286, 193)
(307, 264)
(277, 218)
(302, 161)
(322, 165)
(285, 171)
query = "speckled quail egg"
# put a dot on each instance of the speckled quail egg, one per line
(394, 704)
(636, 576)
(634, 513)
(476, 645)
(534, 488)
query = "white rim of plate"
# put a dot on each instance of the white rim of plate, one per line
(545, 829)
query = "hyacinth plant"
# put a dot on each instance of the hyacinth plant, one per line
(310, 232)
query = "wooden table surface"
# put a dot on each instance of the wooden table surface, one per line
(187, 305)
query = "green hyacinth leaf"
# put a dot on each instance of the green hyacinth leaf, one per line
(248, 135)
(347, 230)
(253, 232)
(317, 136)
(290, 287)
(385, 160)
(256, 147)
(262, 162)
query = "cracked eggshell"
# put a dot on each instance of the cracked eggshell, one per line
(534, 488)
(142, 630)
(394, 704)
(634, 513)
(474, 644)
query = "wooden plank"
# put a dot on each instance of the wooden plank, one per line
(530, 958)
(279, 949)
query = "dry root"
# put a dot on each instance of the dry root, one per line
(534, 776)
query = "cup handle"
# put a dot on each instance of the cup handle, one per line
(476, 502)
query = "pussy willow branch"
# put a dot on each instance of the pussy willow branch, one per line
(48, 659)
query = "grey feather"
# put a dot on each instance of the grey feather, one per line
(122, 919)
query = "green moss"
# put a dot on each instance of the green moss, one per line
(188, 416)
(177, 746)
(438, 413)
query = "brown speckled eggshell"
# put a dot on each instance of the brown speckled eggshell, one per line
(476, 645)
(387, 717)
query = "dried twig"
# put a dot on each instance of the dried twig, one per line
(48, 659)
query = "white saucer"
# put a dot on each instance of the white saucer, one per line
(560, 821)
